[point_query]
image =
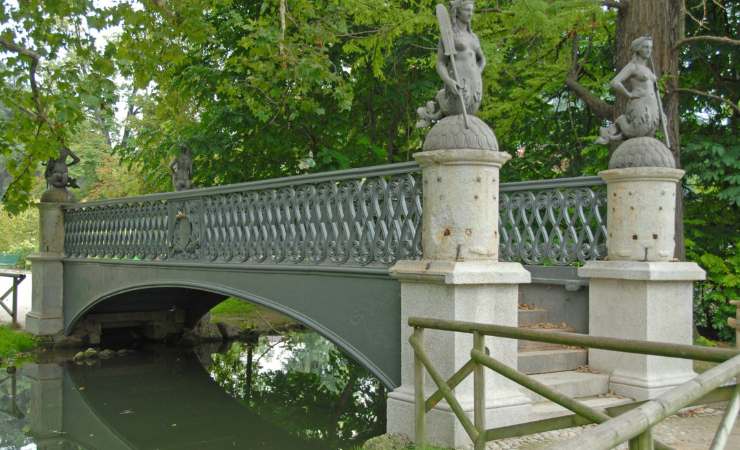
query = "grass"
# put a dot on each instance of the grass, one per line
(233, 307)
(13, 342)
(249, 316)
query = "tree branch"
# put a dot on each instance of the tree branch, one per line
(712, 96)
(597, 106)
(35, 58)
(159, 4)
(13, 47)
(717, 39)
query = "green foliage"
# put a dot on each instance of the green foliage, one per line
(13, 342)
(20, 234)
(712, 307)
(342, 82)
(49, 86)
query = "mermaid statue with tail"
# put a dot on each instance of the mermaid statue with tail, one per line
(461, 74)
(636, 81)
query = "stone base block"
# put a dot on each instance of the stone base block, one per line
(473, 291)
(640, 388)
(40, 325)
(46, 316)
(443, 428)
(649, 301)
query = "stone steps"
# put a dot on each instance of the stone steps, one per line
(572, 383)
(547, 361)
(532, 316)
(591, 389)
(542, 357)
(548, 410)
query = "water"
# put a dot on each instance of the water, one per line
(291, 392)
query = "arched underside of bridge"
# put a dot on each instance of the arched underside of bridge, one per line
(358, 310)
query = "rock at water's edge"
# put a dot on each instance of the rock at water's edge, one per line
(392, 441)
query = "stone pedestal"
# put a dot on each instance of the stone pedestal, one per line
(640, 292)
(473, 291)
(460, 278)
(641, 216)
(47, 317)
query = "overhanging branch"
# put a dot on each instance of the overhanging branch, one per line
(715, 39)
(712, 96)
(599, 107)
(35, 58)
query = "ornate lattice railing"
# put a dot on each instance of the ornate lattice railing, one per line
(556, 222)
(360, 217)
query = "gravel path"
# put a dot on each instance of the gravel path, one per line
(690, 430)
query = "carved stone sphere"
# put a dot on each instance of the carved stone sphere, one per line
(450, 134)
(642, 152)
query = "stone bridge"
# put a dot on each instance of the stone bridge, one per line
(317, 248)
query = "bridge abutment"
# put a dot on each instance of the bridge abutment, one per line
(46, 317)
(459, 278)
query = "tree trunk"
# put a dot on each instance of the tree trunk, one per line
(664, 20)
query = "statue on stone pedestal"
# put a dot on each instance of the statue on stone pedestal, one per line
(57, 177)
(460, 64)
(182, 170)
(634, 129)
(637, 82)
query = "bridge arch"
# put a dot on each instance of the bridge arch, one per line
(359, 312)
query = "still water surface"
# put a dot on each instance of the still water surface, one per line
(279, 392)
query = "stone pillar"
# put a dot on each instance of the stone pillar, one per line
(459, 278)
(46, 317)
(640, 291)
(46, 418)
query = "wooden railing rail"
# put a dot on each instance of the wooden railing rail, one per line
(633, 422)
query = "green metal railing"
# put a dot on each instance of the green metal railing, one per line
(626, 423)
(359, 218)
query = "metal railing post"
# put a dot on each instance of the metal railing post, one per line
(479, 393)
(419, 400)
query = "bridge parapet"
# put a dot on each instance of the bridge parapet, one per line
(369, 217)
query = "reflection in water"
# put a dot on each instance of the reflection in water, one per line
(291, 392)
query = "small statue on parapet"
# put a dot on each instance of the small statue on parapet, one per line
(58, 179)
(636, 128)
(460, 64)
(182, 170)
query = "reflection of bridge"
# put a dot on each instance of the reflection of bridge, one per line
(167, 403)
(315, 247)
